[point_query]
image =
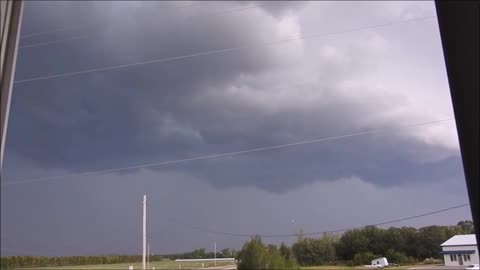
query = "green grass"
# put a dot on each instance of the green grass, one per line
(344, 267)
(157, 265)
(198, 265)
(333, 267)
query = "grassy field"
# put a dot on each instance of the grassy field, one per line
(325, 267)
(198, 265)
(341, 267)
(157, 265)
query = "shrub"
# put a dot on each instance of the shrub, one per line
(396, 257)
(432, 261)
(364, 258)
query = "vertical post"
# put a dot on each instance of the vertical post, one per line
(148, 255)
(215, 253)
(144, 237)
(10, 20)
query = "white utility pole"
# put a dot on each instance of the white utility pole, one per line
(215, 255)
(144, 238)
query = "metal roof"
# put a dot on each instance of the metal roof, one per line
(461, 240)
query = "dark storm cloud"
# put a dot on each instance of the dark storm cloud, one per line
(119, 105)
(221, 103)
(280, 8)
(202, 105)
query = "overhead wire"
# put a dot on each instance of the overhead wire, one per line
(232, 234)
(208, 15)
(163, 163)
(19, 251)
(225, 50)
(194, 3)
(89, 25)
(52, 42)
(54, 31)
(216, 232)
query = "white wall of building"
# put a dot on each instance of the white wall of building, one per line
(474, 258)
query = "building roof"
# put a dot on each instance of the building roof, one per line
(461, 240)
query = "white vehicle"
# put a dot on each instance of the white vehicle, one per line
(473, 267)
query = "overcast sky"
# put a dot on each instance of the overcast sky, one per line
(362, 66)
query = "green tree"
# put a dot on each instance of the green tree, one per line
(396, 257)
(252, 255)
(198, 254)
(375, 236)
(286, 251)
(363, 258)
(428, 241)
(466, 226)
(350, 243)
(255, 255)
(406, 241)
(309, 251)
(275, 260)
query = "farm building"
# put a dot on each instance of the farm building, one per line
(460, 250)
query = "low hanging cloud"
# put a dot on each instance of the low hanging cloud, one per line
(260, 95)
(102, 214)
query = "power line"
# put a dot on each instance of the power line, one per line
(42, 179)
(323, 232)
(208, 15)
(290, 235)
(23, 252)
(53, 31)
(180, 57)
(52, 42)
(395, 220)
(191, 4)
(88, 24)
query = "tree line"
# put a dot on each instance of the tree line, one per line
(355, 247)
(202, 253)
(405, 245)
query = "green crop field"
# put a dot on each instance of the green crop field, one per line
(158, 265)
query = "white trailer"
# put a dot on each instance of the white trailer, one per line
(380, 262)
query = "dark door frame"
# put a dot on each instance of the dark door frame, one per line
(458, 24)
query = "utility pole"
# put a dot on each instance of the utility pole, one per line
(144, 237)
(11, 21)
(215, 253)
